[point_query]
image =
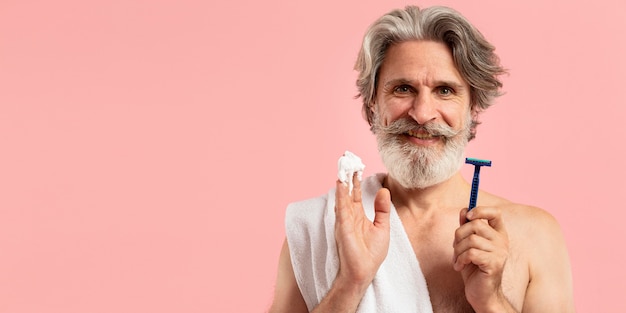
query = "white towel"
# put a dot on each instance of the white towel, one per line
(399, 285)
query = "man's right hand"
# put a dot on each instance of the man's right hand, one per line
(362, 247)
(362, 244)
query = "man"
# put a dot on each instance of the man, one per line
(405, 241)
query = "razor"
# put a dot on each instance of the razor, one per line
(478, 163)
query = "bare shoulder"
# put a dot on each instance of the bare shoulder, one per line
(533, 232)
(524, 220)
(537, 244)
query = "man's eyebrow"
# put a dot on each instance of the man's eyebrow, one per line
(450, 83)
(397, 81)
(401, 81)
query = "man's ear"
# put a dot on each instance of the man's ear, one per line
(364, 112)
(372, 107)
(368, 112)
(474, 112)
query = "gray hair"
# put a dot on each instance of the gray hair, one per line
(473, 56)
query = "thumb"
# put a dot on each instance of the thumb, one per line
(382, 207)
(463, 216)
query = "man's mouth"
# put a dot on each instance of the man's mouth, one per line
(421, 135)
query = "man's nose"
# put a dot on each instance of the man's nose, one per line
(424, 108)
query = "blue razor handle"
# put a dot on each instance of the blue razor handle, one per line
(476, 180)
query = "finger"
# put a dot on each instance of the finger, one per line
(474, 256)
(341, 192)
(475, 227)
(487, 261)
(342, 206)
(462, 216)
(382, 208)
(356, 191)
(491, 214)
(473, 242)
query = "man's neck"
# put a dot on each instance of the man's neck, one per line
(450, 194)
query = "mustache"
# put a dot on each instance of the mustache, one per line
(404, 125)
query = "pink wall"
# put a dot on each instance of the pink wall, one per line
(149, 148)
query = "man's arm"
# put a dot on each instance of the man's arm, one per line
(342, 297)
(287, 296)
(550, 288)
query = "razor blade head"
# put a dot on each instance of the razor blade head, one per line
(477, 162)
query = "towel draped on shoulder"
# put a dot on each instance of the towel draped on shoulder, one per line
(399, 285)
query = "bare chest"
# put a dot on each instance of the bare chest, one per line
(434, 251)
(445, 285)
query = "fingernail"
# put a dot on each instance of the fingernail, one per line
(469, 215)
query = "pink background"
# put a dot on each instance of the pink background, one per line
(149, 148)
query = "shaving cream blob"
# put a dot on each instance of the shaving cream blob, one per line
(349, 164)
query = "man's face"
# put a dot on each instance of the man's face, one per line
(422, 113)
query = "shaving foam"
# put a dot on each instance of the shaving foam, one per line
(349, 164)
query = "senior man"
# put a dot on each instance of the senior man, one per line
(405, 241)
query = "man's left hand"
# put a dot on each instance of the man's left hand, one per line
(481, 248)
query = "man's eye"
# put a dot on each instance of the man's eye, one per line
(445, 91)
(402, 89)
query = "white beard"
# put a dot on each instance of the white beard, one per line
(416, 167)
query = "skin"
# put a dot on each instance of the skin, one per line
(508, 258)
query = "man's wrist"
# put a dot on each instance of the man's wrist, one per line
(500, 304)
(343, 297)
(349, 287)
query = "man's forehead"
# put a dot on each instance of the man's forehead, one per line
(419, 62)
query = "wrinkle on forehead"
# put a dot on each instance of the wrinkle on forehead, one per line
(426, 63)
